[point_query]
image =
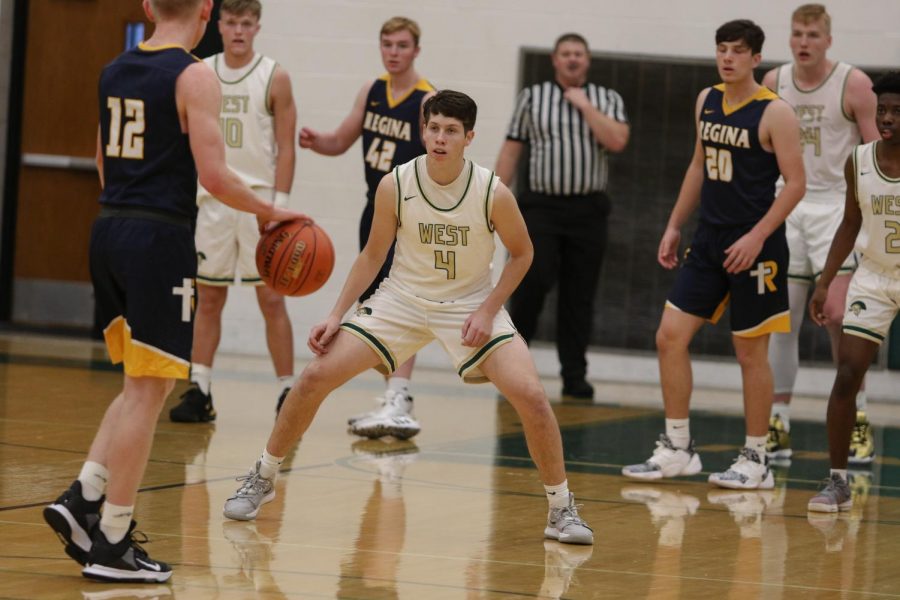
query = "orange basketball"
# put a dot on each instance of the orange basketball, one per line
(295, 258)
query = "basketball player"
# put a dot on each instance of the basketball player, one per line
(836, 107)
(746, 137)
(442, 211)
(258, 120)
(871, 221)
(387, 114)
(159, 119)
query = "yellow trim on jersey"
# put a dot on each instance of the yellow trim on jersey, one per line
(141, 360)
(763, 93)
(780, 323)
(421, 85)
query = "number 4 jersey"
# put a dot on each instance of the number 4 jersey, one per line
(147, 161)
(739, 174)
(391, 133)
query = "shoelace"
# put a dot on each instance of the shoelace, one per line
(859, 433)
(253, 483)
(569, 514)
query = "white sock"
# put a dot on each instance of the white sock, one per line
(287, 381)
(202, 376)
(841, 472)
(679, 431)
(269, 465)
(758, 444)
(399, 384)
(558, 495)
(115, 521)
(861, 401)
(93, 478)
(783, 411)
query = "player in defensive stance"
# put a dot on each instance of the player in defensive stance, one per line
(442, 209)
(871, 221)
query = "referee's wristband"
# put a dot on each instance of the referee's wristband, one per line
(282, 199)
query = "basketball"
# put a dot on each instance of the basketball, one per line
(295, 258)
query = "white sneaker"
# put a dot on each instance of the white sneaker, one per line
(394, 418)
(747, 472)
(379, 403)
(667, 461)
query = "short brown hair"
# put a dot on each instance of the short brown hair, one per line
(808, 13)
(571, 37)
(240, 7)
(174, 9)
(395, 24)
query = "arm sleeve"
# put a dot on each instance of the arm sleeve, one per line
(520, 125)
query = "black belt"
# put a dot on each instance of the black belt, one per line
(134, 212)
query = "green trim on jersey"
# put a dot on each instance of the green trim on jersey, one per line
(487, 198)
(399, 199)
(216, 69)
(476, 358)
(824, 81)
(373, 342)
(269, 92)
(461, 198)
(881, 174)
(844, 91)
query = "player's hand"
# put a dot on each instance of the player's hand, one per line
(307, 137)
(817, 304)
(741, 255)
(321, 335)
(667, 254)
(476, 331)
(278, 215)
(577, 97)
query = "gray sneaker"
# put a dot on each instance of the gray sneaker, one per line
(565, 526)
(255, 491)
(835, 497)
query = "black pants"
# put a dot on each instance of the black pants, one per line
(569, 236)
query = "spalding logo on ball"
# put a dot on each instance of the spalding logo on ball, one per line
(295, 258)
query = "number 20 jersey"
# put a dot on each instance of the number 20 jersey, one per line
(391, 133)
(147, 160)
(739, 174)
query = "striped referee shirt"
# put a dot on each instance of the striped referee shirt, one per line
(565, 158)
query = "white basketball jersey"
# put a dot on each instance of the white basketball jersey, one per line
(246, 119)
(445, 239)
(828, 135)
(879, 200)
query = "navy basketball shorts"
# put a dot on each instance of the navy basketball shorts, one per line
(143, 272)
(758, 296)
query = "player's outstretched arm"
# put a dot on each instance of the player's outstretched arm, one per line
(365, 267)
(510, 226)
(281, 102)
(338, 141)
(199, 97)
(841, 245)
(779, 131)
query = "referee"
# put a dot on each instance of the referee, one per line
(570, 125)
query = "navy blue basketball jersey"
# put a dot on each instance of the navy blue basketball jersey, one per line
(739, 174)
(391, 129)
(147, 160)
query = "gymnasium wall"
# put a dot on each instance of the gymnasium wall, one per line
(330, 48)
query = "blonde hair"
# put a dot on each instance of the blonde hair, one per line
(395, 24)
(809, 13)
(239, 7)
(174, 9)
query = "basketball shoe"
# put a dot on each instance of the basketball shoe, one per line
(747, 472)
(862, 444)
(834, 497)
(565, 526)
(195, 407)
(255, 491)
(72, 518)
(666, 461)
(778, 444)
(560, 562)
(124, 561)
(393, 418)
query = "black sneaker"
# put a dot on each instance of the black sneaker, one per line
(578, 390)
(281, 399)
(125, 561)
(195, 407)
(72, 518)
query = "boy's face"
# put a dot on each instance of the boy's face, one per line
(238, 32)
(809, 42)
(887, 116)
(398, 51)
(735, 61)
(445, 138)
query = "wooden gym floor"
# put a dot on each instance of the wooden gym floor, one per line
(456, 513)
